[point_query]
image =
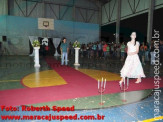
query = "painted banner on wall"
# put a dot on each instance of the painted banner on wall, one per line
(45, 24)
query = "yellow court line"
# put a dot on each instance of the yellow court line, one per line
(9, 80)
(153, 119)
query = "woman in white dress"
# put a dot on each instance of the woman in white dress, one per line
(132, 67)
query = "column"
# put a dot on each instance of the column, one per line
(77, 56)
(150, 21)
(118, 21)
(37, 64)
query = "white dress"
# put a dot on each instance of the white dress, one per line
(132, 67)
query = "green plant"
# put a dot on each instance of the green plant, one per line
(36, 43)
(76, 44)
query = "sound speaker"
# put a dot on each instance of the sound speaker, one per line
(4, 38)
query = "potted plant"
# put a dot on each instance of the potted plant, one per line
(36, 46)
(76, 44)
(36, 43)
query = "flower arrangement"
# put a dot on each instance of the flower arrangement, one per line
(36, 43)
(76, 44)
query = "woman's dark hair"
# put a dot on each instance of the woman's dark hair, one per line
(135, 39)
(135, 43)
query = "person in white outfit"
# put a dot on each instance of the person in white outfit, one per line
(132, 67)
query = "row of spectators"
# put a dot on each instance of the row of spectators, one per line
(101, 49)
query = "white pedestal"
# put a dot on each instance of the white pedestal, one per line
(77, 56)
(77, 67)
(37, 64)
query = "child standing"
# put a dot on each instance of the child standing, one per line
(143, 48)
(105, 49)
(122, 51)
